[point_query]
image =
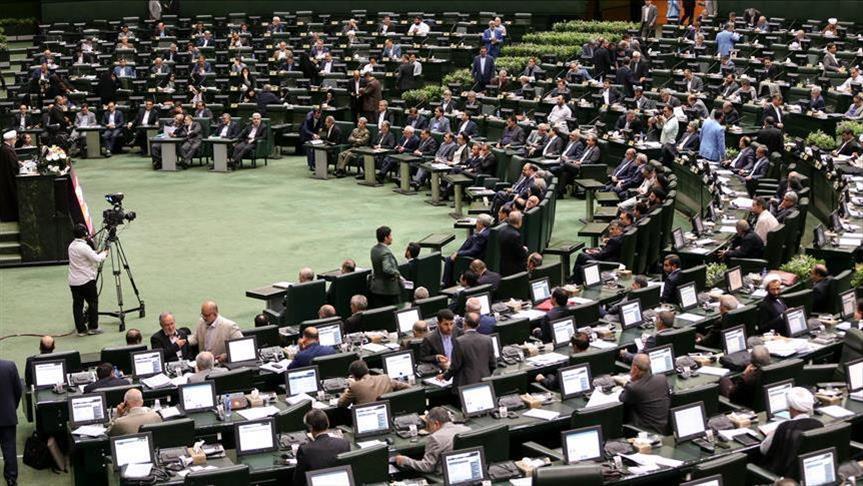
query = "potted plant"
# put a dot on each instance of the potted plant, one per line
(821, 140)
(857, 277)
(801, 266)
(716, 274)
(457, 80)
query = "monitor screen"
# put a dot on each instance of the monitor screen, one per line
(849, 304)
(679, 240)
(582, 444)
(688, 296)
(335, 476)
(302, 380)
(689, 421)
(242, 349)
(818, 468)
(255, 436)
(87, 409)
(795, 322)
(820, 237)
(630, 314)
(132, 449)
(331, 334)
(715, 480)
(854, 375)
(539, 290)
(196, 397)
(399, 365)
(734, 279)
(477, 399)
(777, 401)
(574, 380)
(661, 360)
(484, 303)
(734, 339)
(407, 318)
(46, 374)
(697, 224)
(562, 330)
(495, 341)
(466, 466)
(147, 363)
(371, 419)
(591, 275)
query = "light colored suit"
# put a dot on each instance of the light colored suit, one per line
(439, 443)
(200, 376)
(368, 389)
(224, 329)
(134, 419)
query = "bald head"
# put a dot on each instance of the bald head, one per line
(514, 219)
(46, 345)
(640, 366)
(306, 275)
(133, 398)
(209, 311)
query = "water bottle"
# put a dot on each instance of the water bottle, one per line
(157, 406)
(227, 404)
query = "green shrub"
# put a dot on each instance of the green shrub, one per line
(563, 52)
(513, 65)
(716, 274)
(568, 38)
(801, 265)
(459, 76)
(421, 96)
(857, 276)
(856, 127)
(594, 27)
(821, 140)
(18, 22)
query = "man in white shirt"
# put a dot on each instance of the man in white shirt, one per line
(83, 269)
(765, 222)
(419, 27)
(559, 113)
(855, 77)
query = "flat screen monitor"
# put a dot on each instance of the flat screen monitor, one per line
(46, 374)
(835, 221)
(715, 480)
(484, 302)
(302, 380)
(679, 240)
(147, 363)
(330, 334)
(464, 467)
(689, 421)
(630, 314)
(734, 339)
(820, 237)
(591, 275)
(87, 410)
(581, 445)
(795, 322)
(697, 224)
(661, 360)
(574, 380)
(334, 476)
(849, 304)
(854, 375)
(407, 318)
(775, 397)
(539, 290)
(255, 436)
(495, 341)
(242, 350)
(734, 279)
(198, 397)
(371, 419)
(819, 468)
(399, 365)
(132, 449)
(561, 331)
(477, 399)
(688, 296)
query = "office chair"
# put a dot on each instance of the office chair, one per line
(609, 416)
(173, 433)
(334, 365)
(223, 476)
(369, 465)
(494, 439)
(409, 400)
(567, 475)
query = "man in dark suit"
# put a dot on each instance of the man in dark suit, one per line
(610, 252)
(408, 143)
(385, 285)
(629, 121)
(473, 247)
(370, 97)
(467, 126)
(745, 158)
(821, 296)
(771, 136)
(484, 275)
(774, 111)
(174, 341)
(771, 308)
(112, 120)
(310, 348)
(438, 346)
(645, 398)
(248, 139)
(482, 69)
(309, 129)
(513, 254)
(321, 451)
(780, 448)
(849, 146)
(405, 75)
(10, 397)
(625, 78)
(745, 244)
(473, 358)
(560, 310)
(663, 322)
(147, 116)
(649, 14)
(742, 390)
(105, 378)
(227, 128)
(415, 120)
(601, 61)
(671, 267)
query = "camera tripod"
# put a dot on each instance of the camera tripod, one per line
(119, 264)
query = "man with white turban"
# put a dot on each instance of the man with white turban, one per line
(779, 448)
(9, 169)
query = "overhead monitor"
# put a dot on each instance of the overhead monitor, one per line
(132, 449)
(776, 397)
(46, 374)
(330, 334)
(574, 380)
(87, 410)
(371, 419)
(255, 436)
(147, 363)
(407, 318)
(242, 350)
(399, 365)
(477, 399)
(689, 421)
(630, 314)
(661, 360)
(581, 445)
(302, 380)
(734, 339)
(540, 290)
(198, 397)
(464, 467)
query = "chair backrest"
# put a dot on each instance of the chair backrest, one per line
(429, 272)
(334, 365)
(681, 340)
(836, 434)
(513, 331)
(302, 302)
(173, 433)
(222, 476)
(840, 283)
(515, 286)
(583, 475)
(799, 298)
(697, 274)
(609, 416)
(532, 228)
(291, 418)
(627, 249)
(642, 245)
(494, 439)
(508, 383)
(586, 314)
(409, 400)
(345, 286)
(72, 359)
(550, 270)
(232, 381)
(121, 356)
(775, 246)
(492, 248)
(368, 465)
(601, 361)
(707, 394)
(429, 307)
(115, 395)
(793, 228)
(648, 296)
(381, 318)
(265, 335)
(732, 468)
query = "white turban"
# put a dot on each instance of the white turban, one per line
(832, 21)
(10, 135)
(800, 399)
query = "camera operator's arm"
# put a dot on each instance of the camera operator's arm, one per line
(95, 257)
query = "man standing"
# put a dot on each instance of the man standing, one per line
(648, 19)
(764, 221)
(482, 69)
(385, 285)
(10, 397)
(473, 358)
(513, 254)
(371, 96)
(83, 270)
(713, 139)
(438, 346)
(9, 169)
(175, 342)
(213, 330)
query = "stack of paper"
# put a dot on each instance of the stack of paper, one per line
(836, 411)
(546, 359)
(652, 460)
(601, 344)
(713, 370)
(137, 470)
(156, 381)
(277, 367)
(598, 398)
(541, 414)
(434, 381)
(374, 347)
(256, 413)
(690, 317)
(90, 430)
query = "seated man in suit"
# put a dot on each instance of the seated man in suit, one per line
(105, 378)
(688, 143)
(663, 322)
(671, 269)
(473, 247)
(786, 206)
(132, 414)
(408, 143)
(174, 341)
(310, 349)
(248, 140)
(204, 367)
(438, 346)
(321, 451)
(358, 304)
(441, 433)
(579, 342)
(771, 308)
(626, 169)
(559, 299)
(521, 188)
(227, 128)
(483, 274)
(609, 252)
(486, 322)
(112, 120)
(366, 388)
(745, 244)
(743, 389)
(629, 121)
(745, 158)
(645, 398)
(780, 447)
(849, 146)
(821, 297)
(759, 169)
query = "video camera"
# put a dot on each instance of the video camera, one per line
(116, 215)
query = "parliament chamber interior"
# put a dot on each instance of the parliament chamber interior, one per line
(609, 242)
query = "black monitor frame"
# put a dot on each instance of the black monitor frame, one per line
(472, 450)
(560, 372)
(244, 338)
(397, 353)
(375, 433)
(461, 391)
(766, 391)
(75, 424)
(114, 440)
(274, 440)
(565, 450)
(288, 373)
(161, 353)
(673, 412)
(182, 391)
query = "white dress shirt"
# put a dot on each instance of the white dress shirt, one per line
(421, 28)
(766, 222)
(224, 132)
(669, 131)
(559, 113)
(83, 262)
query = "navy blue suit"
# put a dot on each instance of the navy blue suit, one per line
(10, 397)
(305, 357)
(409, 145)
(309, 128)
(110, 135)
(473, 247)
(481, 76)
(669, 288)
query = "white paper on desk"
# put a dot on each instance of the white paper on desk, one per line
(374, 347)
(282, 285)
(541, 414)
(699, 250)
(579, 301)
(786, 347)
(858, 395)
(546, 359)
(843, 326)
(137, 470)
(180, 380)
(760, 293)
(169, 412)
(277, 367)
(652, 460)
(686, 316)
(320, 405)
(156, 381)
(639, 344)
(362, 444)
(704, 242)
(849, 241)
(769, 427)
(724, 172)
(730, 434)
(642, 469)
(598, 398)
(440, 166)
(90, 430)
(836, 411)
(530, 314)
(727, 229)
(521, 481)
(713, 371)
(295, 399)
(434, 381)
(256, 413)
(742, 202)
(602, 344)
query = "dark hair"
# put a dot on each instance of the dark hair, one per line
(80, 231)
(471, 320)
(104, 370)
(470, 278)
(358, 369)
(673, 259)
(641, 280)
(382, 232)
(559, 296)
(580, 341)
(261, 320)
(445, 315)
(133, 336)
(316, 420)
(414, 249)
(46, 350)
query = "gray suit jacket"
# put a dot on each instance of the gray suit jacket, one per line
(646, 403)
(438, 443)
(385, 271)
(697, 84)
(472, 360)
(225, 329)
(132, 421)
(90, 117)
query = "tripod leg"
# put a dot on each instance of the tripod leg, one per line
(115, 270)
(121, 253)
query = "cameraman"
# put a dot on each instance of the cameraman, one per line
(83, 268)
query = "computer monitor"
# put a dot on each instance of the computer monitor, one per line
(678, 238)
(484, 302)
(495, 342)
(562, 331)
(581, 445)
(406, 319)
(630, 314)
(591, 275)
(46, 374)
(330, 334)
(661, 360)
(371, 419)
(464, 467)
(734, 339)
(539, 290)
(147, 363)
(835, 221)
(819, 468)
(849, 304)
(399, 365)
(574, 380)
(333, 476)
(87, 410)
(775, 399)
(242, 350)
(795, 322)
(255, 436)
(697, 224)
(734, 279)
(715, 480)
(302, 380)
(198, 397)
(820, 237)
(854, 375)
(132, 449)
(689, 421)
(477, 399)
(688, 296)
